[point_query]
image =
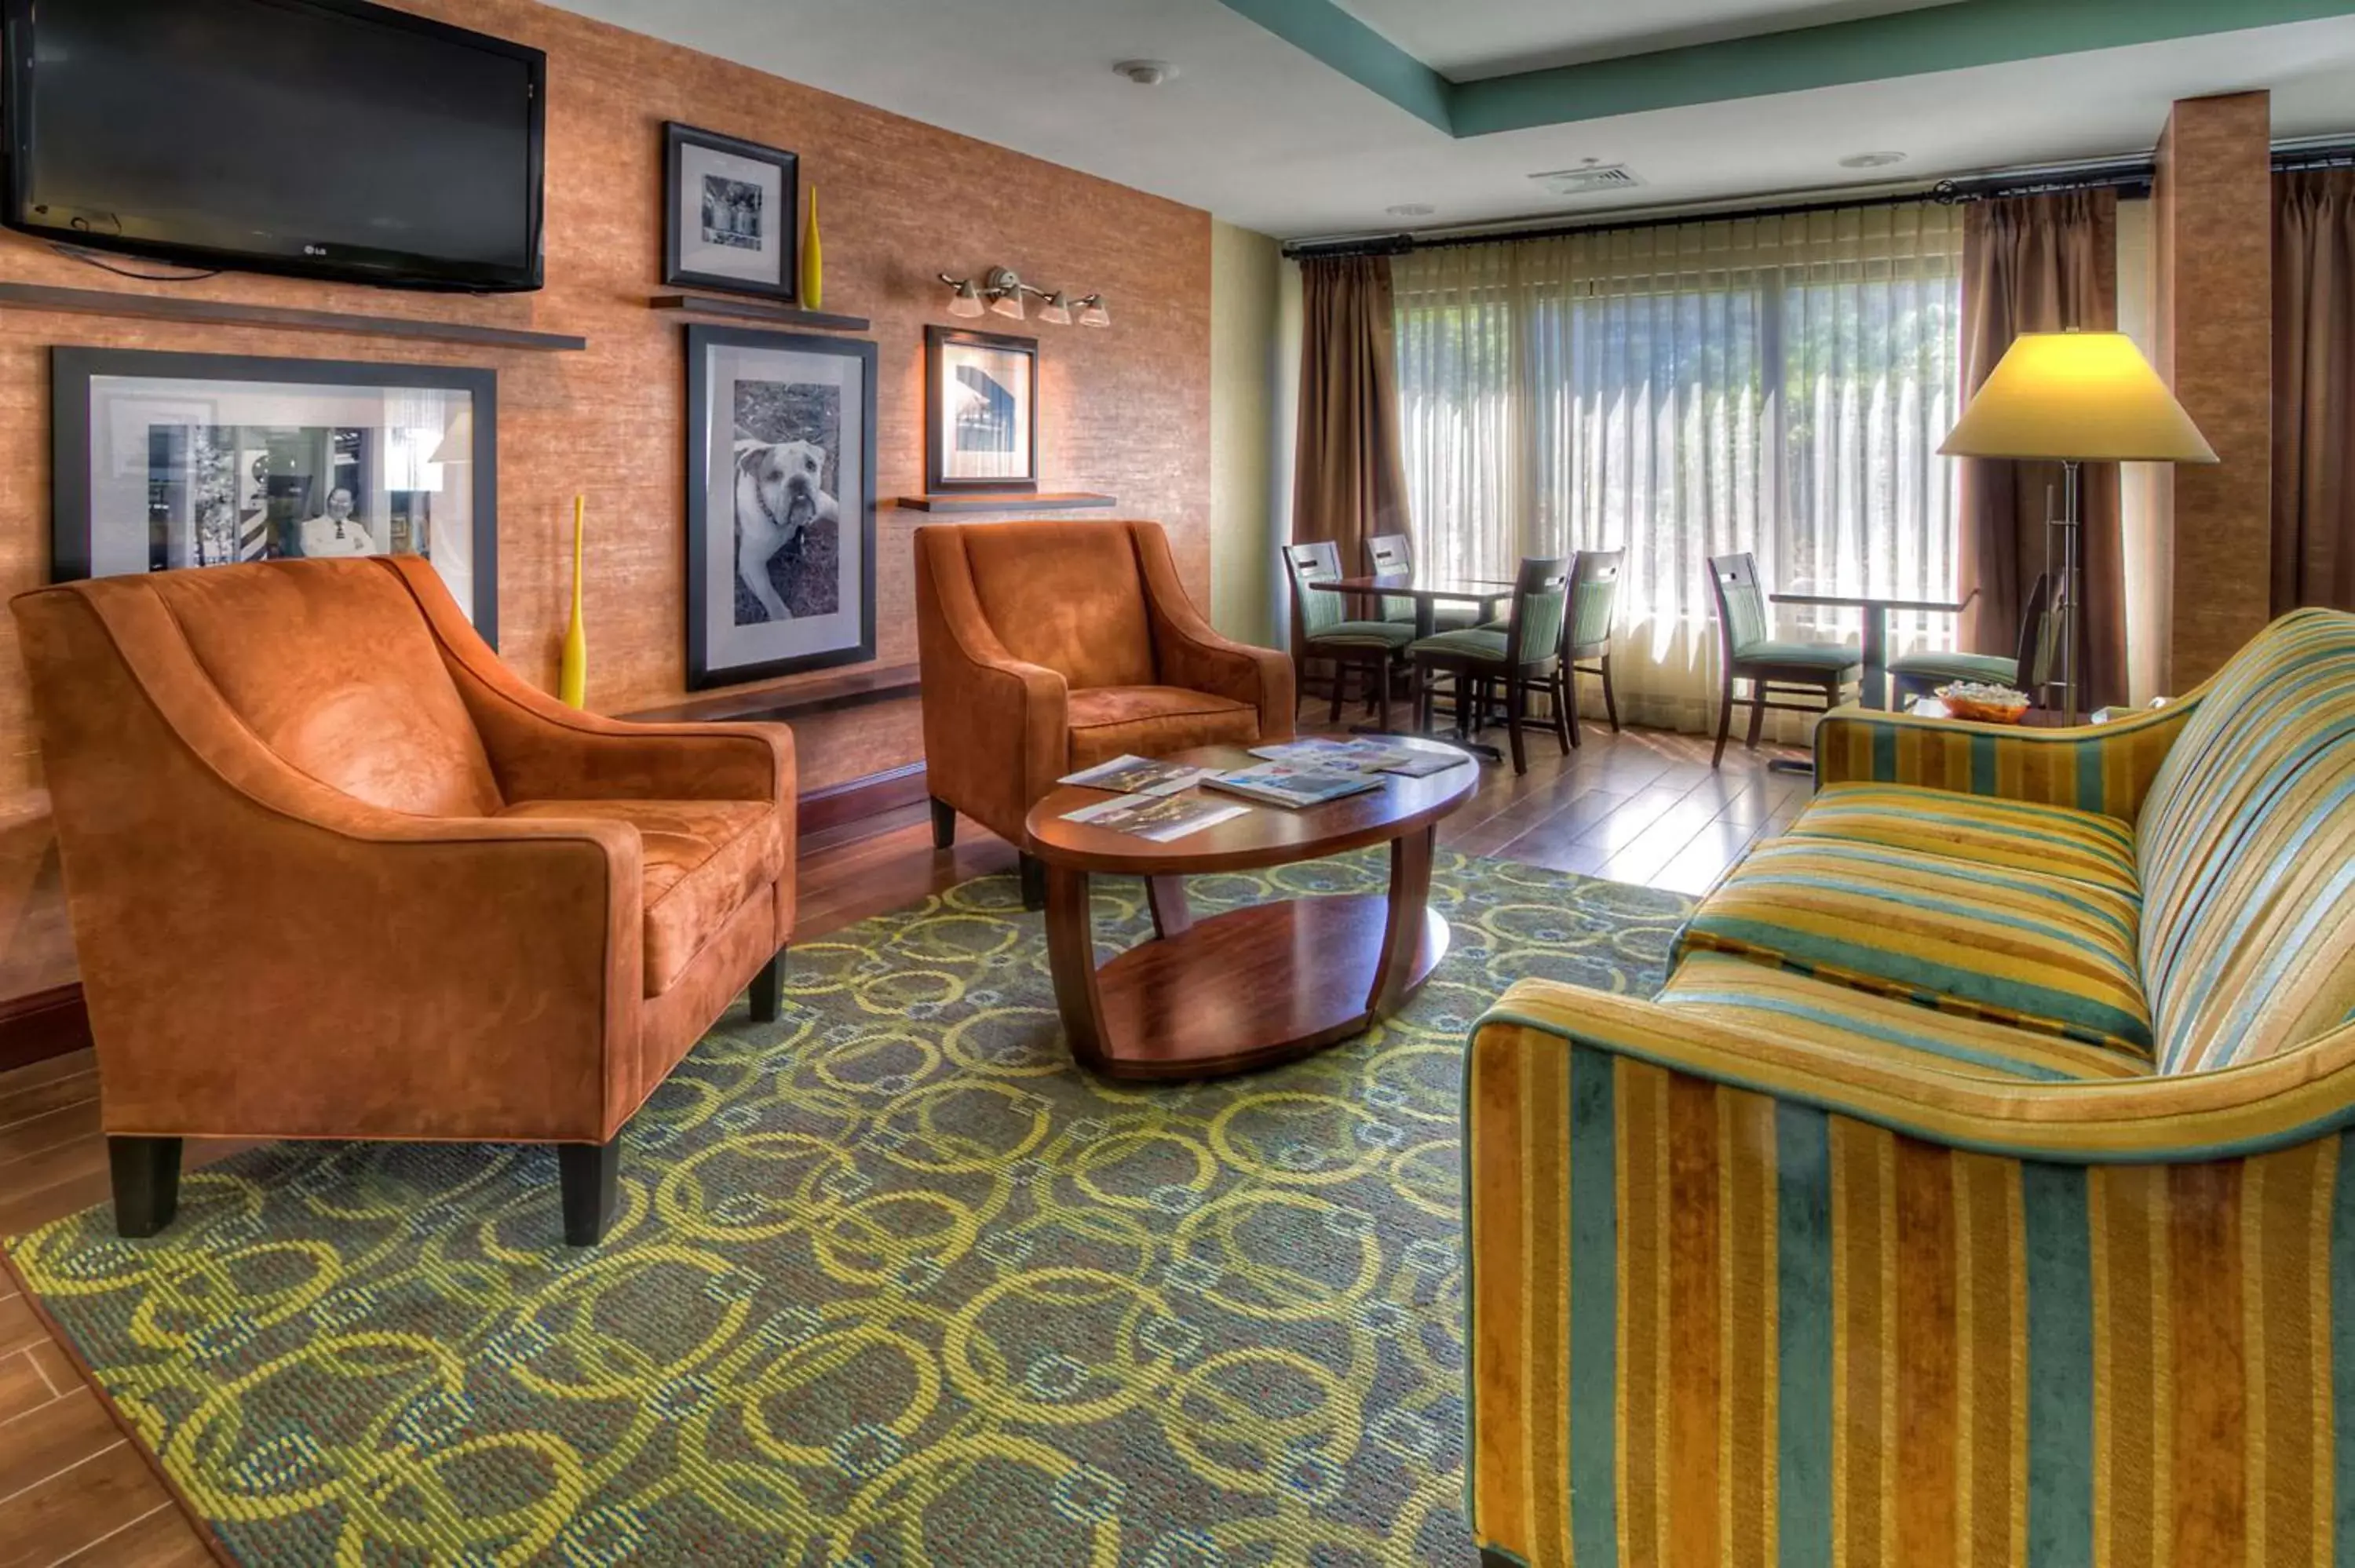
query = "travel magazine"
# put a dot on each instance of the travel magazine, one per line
(1371, 754)
(1138, 775)
(1293, 784)
(1160, 818)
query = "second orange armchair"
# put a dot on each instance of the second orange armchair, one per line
(1048, 647)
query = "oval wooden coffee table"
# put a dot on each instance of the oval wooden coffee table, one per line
(1254, 986)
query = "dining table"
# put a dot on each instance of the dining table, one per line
(1427, 590)
(1877, 610)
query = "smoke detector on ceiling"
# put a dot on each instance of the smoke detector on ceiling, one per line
(1146, 73)
(1411, 209)
(1871, 160)
(1588, 178)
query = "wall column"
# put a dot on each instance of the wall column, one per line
(2212, 234)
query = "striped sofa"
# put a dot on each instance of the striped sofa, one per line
(1977, 1189)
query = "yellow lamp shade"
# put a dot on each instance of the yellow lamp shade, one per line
(2082, 397)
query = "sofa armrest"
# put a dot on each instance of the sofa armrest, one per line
(997, 728)
(1193, 655)
(2105, 768)
(265, 956)
(2164, 1119)
(542, 750)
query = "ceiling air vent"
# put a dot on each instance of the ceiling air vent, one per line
(1587, 179)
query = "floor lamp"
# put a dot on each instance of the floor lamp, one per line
(2075, 397)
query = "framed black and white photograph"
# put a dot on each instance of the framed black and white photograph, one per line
(981, 410)
(731, 219)
(781, 504)
(165, 461)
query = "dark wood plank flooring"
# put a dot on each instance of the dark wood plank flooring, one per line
(1641, 807)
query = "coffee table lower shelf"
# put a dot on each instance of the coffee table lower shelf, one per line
(1250, 988)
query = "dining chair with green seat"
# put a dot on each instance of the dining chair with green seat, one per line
(1748, 650)
(2029, 671)
(1523, 654)
(1593, 613)
(1371, 648)
(1393, 553)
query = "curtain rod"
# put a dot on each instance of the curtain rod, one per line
(2131, 178)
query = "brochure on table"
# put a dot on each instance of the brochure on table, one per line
(1160, 818)
(1293, 784)
(1128, 775)
(1370, 754)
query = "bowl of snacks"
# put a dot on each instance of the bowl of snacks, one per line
(1982, 703)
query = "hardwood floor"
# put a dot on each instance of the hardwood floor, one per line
(1640, 807)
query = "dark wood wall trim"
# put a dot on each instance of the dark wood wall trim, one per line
(46, 1023)
(54, 1022)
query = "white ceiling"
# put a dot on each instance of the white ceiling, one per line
(1261, 134)
(1470, 39)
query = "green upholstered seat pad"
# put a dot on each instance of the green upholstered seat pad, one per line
(1792, 1006)
(1825, 656)
(1443, 616)
(1978, 829)
(1474, 643)
(1991, 668)
(1364, 634)
(2041, 952)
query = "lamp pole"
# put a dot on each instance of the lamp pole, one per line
(2069, 476)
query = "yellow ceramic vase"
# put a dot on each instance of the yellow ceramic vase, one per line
(813, 262)
(572, 684)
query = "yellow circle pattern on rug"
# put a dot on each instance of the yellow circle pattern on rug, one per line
(893, 1285)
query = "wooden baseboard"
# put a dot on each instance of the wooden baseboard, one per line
(856, 797)
(46, 1023)
(52, 1022)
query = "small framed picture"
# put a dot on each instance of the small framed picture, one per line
(780, 504)
(170, 461)
(981, 411)
(731, 218)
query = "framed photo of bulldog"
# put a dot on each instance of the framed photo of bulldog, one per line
(729, 218)
(780, 504)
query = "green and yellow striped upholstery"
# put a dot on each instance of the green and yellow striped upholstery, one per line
(1815, 1259)
(1839, 1018)
(2248, 853)
(2036, 952)
(1737, 1300)
(2016, 836)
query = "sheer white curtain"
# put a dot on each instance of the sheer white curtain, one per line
(1776, 384)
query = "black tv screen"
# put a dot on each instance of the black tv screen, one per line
(326, 138)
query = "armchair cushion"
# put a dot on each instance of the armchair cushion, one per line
(1108, 721)
(1743, 995)
(2017, 835)
(702, 860)
(2034, 951)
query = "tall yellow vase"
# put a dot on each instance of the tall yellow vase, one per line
(573, 683)
(813, 262)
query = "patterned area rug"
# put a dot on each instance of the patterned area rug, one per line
(894, 1285)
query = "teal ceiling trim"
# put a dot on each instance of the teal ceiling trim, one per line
(1950, 36)
(1326, 32)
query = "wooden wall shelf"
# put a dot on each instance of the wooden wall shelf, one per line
(229, 313)
(1068, 500)
(759, 310)
(854, 688)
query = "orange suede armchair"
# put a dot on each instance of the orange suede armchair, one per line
(1048, 647)
(334, 872)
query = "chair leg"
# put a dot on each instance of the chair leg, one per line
(1610, 698)
(146, 1177)
(769, 989)
(1340, 686)
(1034, 884)
(943, 824)
(1382, 675)
(1517, 700)
(590, 1178)
(1757, 714)
(1724, 723)
(1565, 709)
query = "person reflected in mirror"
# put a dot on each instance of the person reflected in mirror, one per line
(337, 532)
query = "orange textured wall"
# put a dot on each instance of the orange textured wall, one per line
(2213, 222)
(1125, 411)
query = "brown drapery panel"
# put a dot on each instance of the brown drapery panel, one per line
(1349, 480)
(2314, 388)
(2040, 264)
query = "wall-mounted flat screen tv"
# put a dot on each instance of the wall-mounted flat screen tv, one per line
(324, 138)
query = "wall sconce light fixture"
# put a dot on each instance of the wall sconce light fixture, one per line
(1001, 293)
